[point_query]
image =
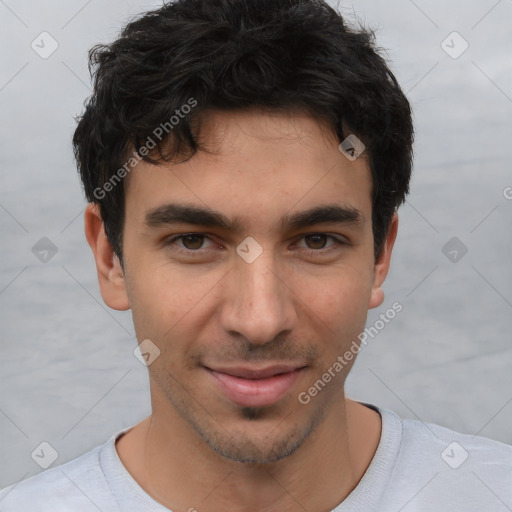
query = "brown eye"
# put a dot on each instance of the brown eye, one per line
(318, 241)
(190, 243)
(193, 241)
(317, 244)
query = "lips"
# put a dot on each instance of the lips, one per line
(263, 373)
(256, 387)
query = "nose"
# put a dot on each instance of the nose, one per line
(258, 302)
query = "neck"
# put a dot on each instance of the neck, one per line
(175, 466)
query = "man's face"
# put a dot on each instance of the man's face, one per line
(229, 300)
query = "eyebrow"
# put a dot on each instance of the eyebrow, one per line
(175, 213)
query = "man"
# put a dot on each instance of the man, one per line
(244, 161)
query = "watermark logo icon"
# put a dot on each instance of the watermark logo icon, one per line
(44, 45)
(44, 250)
(454, 250)
(249, 250)
(454, 455)
(44, 455)
(454, 45)
(352, 147)
(146, 352)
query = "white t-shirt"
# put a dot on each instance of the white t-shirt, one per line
(417, 467)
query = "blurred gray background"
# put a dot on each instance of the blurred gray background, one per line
(68, 373)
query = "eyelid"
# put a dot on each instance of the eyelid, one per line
(174, 238)
(339, 240)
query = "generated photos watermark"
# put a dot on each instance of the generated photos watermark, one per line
(158, 133)
(343, 360)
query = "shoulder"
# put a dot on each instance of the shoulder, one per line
(442, 467)
(74, 485)
(455, 448)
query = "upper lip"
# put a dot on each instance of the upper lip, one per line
(260, 373)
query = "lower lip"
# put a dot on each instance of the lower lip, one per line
(255, 392)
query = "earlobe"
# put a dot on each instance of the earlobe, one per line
(382, 265)
(110, 273)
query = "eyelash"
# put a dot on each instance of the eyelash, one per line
(314, 252)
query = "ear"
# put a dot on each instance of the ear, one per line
(110, 274)
(382, 265)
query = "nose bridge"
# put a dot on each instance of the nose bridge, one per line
(261, 277)
(260, 305)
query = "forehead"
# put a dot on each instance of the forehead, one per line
(258, 166)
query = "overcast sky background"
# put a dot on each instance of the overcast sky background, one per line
(68, 373)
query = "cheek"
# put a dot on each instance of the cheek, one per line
(165, 304)
(339, 305)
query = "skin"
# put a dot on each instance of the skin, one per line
(199, 450)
